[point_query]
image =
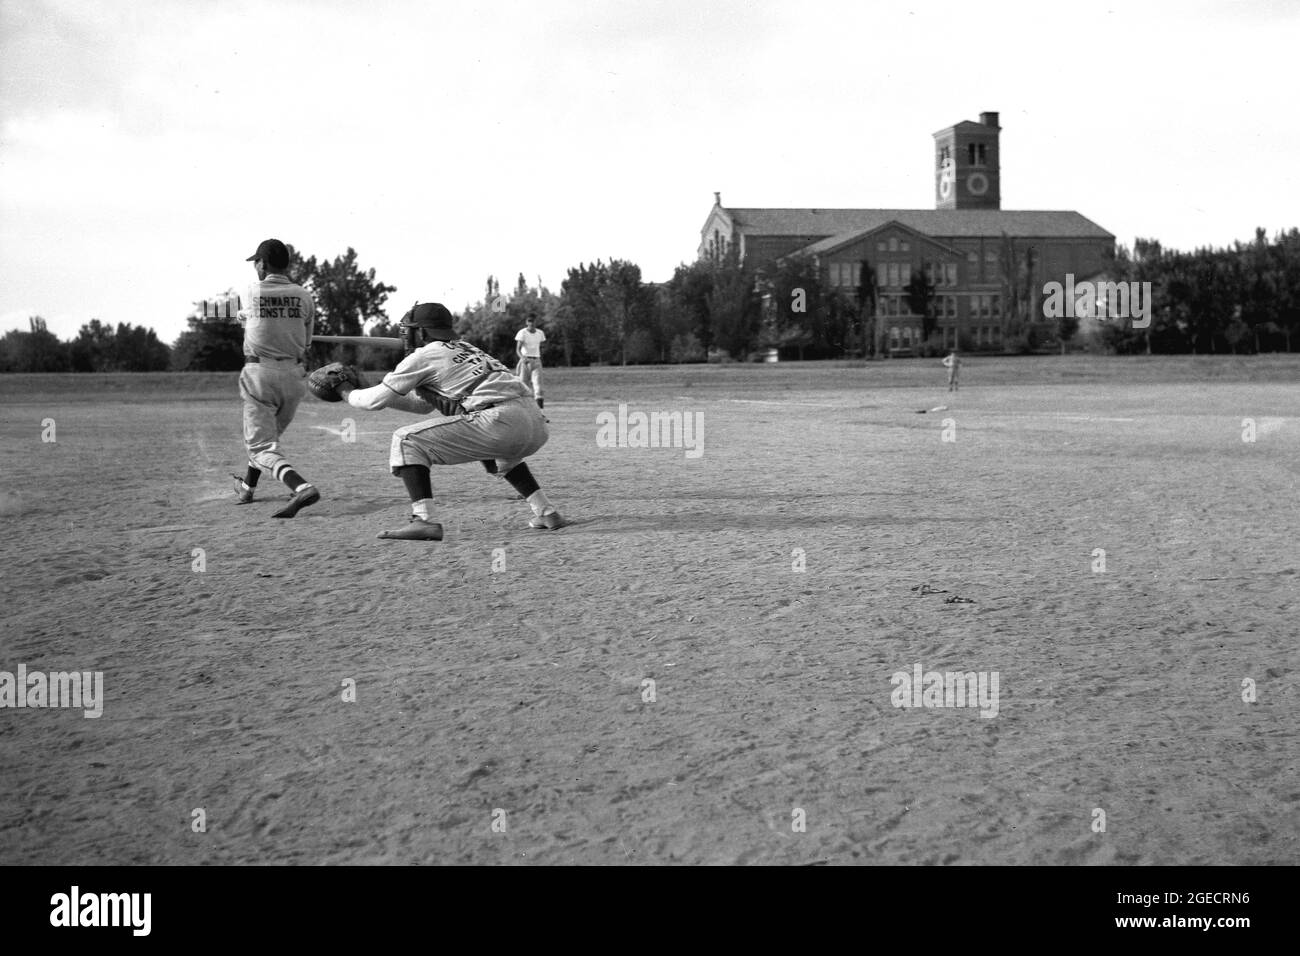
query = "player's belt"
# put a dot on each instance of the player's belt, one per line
(484, 408)
(255, 359)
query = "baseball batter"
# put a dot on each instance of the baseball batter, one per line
(277, 323)
(528, 342)
(490, 418)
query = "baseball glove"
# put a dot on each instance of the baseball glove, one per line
(326, 381)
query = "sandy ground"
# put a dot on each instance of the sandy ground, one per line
(518, 696)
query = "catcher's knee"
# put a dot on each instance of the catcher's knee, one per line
(402, 452)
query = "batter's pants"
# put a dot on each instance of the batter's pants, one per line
(271, 391)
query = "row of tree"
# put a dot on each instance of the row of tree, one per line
(97, 348)
(1244, 298)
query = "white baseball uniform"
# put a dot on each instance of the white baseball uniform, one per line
(529, 346)
(499, 423)
(278, 322)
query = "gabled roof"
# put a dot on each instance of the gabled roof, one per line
(830, 244)
(946, 223)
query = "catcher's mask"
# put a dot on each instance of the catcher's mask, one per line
(426, 323)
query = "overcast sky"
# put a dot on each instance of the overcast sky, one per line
(149, 145)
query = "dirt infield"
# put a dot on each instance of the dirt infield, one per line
(701, 668)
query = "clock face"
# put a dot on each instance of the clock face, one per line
(947, 177)
(977, 184)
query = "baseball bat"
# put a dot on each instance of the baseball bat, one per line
(379, 340)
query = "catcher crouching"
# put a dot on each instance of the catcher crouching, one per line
(488, 416)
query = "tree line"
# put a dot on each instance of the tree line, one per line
(1242, 298)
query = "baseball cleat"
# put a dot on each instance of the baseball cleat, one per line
(547, 522)
(416, 530)
(243, 493)
(301, 499)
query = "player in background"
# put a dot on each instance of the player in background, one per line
(529, 345)
(953, 364)
(490, 419)
(277, 320)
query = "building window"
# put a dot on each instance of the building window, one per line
(904, 273)
(855, 274)
(951, 269)
(882, 275)
(880, 246)
(904, 246)
(893, 243)
(893, 275)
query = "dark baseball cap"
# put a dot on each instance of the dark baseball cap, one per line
(433, 316)
(273, 252)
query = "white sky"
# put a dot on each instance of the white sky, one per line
(147, 146)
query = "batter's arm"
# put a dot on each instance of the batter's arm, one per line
(310, 320)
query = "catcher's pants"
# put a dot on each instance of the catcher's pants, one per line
(271, 391)
(506, 433)
(530, 370)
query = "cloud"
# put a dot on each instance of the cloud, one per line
(54, 56)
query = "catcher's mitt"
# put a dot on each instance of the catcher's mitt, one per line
(326, 381)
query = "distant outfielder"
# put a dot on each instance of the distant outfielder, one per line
(277, 324)
(490, 418)
(953, 364)
(529, 341)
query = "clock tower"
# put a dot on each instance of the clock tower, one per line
(966, 165)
